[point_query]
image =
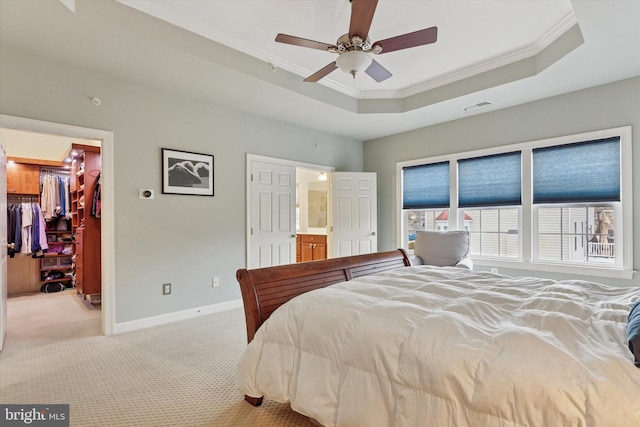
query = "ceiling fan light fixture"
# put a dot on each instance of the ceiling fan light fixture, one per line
(353, 48)
(353, 62)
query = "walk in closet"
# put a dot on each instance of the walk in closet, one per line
(53, 219)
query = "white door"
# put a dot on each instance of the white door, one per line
(272, 228)
(355, 215)
(3, 244)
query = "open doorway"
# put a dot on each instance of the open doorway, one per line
(312, 214)
(53, 211)
(277, 208)
(281, 227)
(105, 141)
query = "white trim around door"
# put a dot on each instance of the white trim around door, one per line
(108, 299)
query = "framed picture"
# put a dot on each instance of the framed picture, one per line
(184, 172)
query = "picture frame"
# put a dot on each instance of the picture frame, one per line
(185, 172)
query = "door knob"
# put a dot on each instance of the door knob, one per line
(373, 233)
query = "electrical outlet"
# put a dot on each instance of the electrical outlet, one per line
(494, 270)
(215, 282)
(166, 289)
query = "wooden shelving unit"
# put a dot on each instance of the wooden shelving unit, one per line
(85, 170)
(57, 261)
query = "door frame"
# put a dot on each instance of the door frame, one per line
(3, 249)
(108, 298)
(248, 193)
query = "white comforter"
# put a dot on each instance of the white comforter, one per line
(429, 346)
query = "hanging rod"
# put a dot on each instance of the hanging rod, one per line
(54, 171)
(22, 198)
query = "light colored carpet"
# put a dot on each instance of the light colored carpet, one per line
(180, 374)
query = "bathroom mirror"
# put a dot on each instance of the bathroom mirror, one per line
(317, 208)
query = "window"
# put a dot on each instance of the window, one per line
(490, 180)
(494, 232)
(582, 172)
(564, 177)
(552, 205)
(577, 234)
(486, 182)
(426, 186)
(425, 199)
(424, 219)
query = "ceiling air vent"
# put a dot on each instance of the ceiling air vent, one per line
(477, 106)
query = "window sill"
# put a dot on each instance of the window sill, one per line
(612, 272)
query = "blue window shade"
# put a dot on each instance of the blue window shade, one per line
(581, 172)
(425, 186)
(490, 180)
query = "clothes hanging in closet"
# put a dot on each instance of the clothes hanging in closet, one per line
(26, 233)
(55, 196)
(95, 202)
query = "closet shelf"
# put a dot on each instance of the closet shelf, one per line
(86, 228)
(64, 279)
(62, 267)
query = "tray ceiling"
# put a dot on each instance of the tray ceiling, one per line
(489, 53)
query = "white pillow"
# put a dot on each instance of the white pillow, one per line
(442, 248)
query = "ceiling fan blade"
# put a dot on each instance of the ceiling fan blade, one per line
(321, 73)
(298, 41)
(405, 41)
(361, 16)
(377, 72)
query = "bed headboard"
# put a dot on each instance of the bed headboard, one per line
(265, 289)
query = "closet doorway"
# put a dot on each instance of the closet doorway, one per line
(44, 135)
(50, 181)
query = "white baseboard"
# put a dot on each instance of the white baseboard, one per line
(175, 316)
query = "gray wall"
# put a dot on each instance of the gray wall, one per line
(612, 105)
(184, 240)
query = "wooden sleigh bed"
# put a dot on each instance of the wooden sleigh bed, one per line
(474, 348)
(266, 289)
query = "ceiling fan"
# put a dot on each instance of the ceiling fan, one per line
(354, 48)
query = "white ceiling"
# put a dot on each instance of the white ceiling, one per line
(473, 34)
(33, 145)
(503, 52)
